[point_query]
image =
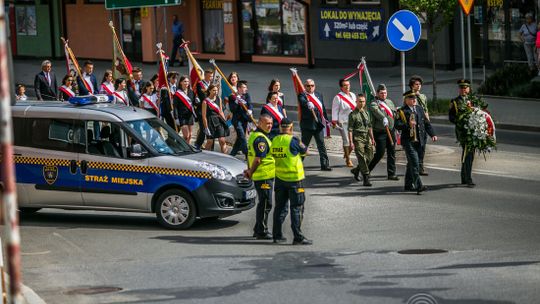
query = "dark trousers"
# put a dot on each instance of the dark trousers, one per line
(319, 140)
(264, 192)
(240, 144)
(422, 152)
(412, 175)
(466, 167)
(200, 135)
(285, 192)
(382, 144)
(177, 40)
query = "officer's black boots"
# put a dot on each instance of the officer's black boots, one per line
(356, 173)
(366, 180)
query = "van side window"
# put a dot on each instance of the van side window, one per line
(53, 134)
(19, 131)
(104, 138)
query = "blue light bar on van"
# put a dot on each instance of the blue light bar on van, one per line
(90, 99)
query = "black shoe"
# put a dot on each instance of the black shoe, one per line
(421, 189)
(356, 174)
(326, 168)
(471, 184)
(423, 172)
(264, 236)
(280, 240)
(303, 242)
(366, 180)
(393, 177)
(409, 189)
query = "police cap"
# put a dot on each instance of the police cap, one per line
(285, 123)
(464, 83)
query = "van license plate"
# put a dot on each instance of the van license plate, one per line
(250, 194)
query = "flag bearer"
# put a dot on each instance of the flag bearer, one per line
(342, 105)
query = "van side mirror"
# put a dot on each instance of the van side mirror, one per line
(136, 151)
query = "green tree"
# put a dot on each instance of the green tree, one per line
(435, 14)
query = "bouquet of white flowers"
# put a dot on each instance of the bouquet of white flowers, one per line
(476, 127)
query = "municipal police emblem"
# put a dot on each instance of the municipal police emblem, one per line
(50, 173)
(261, 146)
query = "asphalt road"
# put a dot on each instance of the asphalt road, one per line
(488, 235)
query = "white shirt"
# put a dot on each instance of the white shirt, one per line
(341, 109)
(89, 81)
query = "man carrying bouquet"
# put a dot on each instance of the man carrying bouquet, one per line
(457, 106)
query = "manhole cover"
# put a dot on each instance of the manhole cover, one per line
(422, 251)
(92, 290)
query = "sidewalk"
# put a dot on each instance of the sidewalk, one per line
(509, 113)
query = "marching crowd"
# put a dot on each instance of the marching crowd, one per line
(367, 127)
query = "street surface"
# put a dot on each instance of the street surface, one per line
(489, 238)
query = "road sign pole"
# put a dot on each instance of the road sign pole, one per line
(403, 71)
(463, 45)
(470, 48)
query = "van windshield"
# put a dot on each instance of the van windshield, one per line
(159, 136)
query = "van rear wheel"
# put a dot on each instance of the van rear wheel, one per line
(175, 209)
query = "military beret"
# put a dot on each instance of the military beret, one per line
(285, 122)
(381, 87)
(409, 94)
(464, 83)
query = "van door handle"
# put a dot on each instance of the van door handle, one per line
(73, 166)
(84, 167)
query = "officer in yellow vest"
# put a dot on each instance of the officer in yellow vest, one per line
(261, 170)
(287, 152)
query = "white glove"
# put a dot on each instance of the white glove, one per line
(207, 132)
(385, 122)
(177, 121)
(310, 105)
(250, 112)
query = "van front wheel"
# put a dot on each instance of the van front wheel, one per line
(175, 209)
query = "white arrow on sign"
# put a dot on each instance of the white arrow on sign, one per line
(327, 30)
(375, 31)
(408, 34)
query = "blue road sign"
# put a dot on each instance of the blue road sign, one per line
(403, 30)
(366, 25)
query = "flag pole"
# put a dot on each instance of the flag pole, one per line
(295, 72)
(119, 46)
(213, 62)
(160, 52)
(191, 58)
(76, 64)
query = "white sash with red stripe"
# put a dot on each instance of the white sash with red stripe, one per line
(204, 84)
(212, 105)
(316, 102)
(274, 112)
(186, 101)
(347, 99)
(88, 85)
(148, 100)
(108, 90)
(67, 91)
(122, 98)
(383, 106)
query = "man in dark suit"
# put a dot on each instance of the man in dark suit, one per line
(135, 87)
(311, 106)
(413, 124)
(45, 83)
(89, 78)
(238, 104)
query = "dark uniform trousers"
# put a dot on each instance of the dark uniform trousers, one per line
(199, 141)
(412, 175)
(285, 192)
(241, 143)
(382, 144)
(466, 167)
(319, 140)
(264, 192)
(422, 152)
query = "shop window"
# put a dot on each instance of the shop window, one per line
(273, 27)
(212, 20)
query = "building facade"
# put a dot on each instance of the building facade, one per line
(300, 32)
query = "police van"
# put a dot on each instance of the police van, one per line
(103, 156)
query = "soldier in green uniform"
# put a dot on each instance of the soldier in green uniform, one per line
(382, 112)
(415, 83)
(287, 151)
(361, 139)
(457, 105)
(261, 170)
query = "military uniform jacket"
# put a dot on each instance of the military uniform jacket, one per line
(308, 122)
(377, 112)
(423, 125)
(359, 123)
(456, 107)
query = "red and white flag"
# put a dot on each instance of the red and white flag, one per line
(121, 66)
(195, 70)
